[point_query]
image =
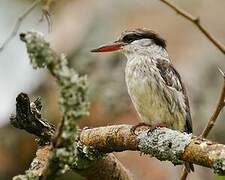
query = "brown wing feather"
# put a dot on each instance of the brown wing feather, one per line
(173, 79)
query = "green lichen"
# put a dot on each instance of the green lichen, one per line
(74, 104)
(60, 161)
(38, 49)
(77, 157)
(219, 167)
(164, 144)
(28, 176)
(85, 156)
(73, 88)
(73, 100)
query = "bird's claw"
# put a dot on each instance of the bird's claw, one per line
(133, 129)
(152, 128)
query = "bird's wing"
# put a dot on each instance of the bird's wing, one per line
(173, 81)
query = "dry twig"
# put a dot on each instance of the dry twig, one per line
(217, 111)
(196, 22)
(18, 24)
(212, 120)
(45, 15)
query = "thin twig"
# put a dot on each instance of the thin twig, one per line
(18, 24)
(196, 22)
(46, 13)
(217, 111)
(48, 18)
(213, 118)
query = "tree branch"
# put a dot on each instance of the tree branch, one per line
(109, 167)
(196, 22)
(85, 161)
(162, 143)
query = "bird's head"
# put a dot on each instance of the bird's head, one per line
(140, 41)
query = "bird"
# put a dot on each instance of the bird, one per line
(154, 85)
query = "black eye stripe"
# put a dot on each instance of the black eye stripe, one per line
(130, 36)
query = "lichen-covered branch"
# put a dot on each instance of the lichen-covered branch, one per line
(64, 152)
(196, 22)
(162, 143)
(73, 100)
(86, 161)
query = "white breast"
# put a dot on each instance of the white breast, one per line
(146, 90)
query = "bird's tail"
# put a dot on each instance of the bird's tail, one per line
(189, 166)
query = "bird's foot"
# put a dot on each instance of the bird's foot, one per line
(152, 128)
(133, 129)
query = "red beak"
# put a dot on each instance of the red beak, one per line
(110, 48)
